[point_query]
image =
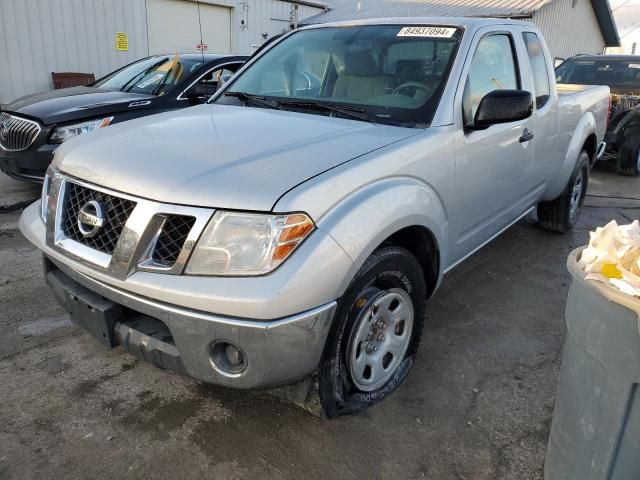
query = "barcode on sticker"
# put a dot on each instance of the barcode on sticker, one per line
(433, 32)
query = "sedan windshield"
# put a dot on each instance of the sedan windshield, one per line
(380, 73)
(613, 73)
(152, 76)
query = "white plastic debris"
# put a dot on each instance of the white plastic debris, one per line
(613, 257)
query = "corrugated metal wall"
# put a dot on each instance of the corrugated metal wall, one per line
(38, 37)
(570, 27)
(269, 17)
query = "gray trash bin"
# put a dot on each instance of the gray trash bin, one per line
(595, 432)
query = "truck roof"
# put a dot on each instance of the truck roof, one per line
(465, 22)
(623, 58)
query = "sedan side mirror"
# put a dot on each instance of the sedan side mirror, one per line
(200, 92)
(503, 106)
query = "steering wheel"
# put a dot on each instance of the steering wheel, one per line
(416, 86)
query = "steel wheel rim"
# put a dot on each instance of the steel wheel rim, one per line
(576, 194)
(381, 339)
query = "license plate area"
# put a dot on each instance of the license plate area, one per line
(94, 313)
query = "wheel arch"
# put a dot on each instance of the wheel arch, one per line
(401, 211)
(584, 135)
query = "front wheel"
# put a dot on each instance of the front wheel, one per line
(629, 154)
(560, 215)
(376, 332)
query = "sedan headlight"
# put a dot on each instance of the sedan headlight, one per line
(64, 133)
(236, 243)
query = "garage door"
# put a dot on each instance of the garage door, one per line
(174, 26)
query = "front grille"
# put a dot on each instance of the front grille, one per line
(17, 133)
(116, 211)
(173, 235)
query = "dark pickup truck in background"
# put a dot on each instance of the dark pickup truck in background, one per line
(32, 127)
(621, 73)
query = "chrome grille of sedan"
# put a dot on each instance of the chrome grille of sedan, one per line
(17, 133)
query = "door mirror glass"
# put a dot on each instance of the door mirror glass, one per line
(503, 106)
(201, 91)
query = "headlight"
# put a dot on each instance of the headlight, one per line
(236, 243)
(44, 197)
(62, 134)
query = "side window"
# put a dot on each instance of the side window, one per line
(493, 68)
(209, 83)
(539, 68)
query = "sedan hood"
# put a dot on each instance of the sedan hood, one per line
(76, 103)
(220, 156)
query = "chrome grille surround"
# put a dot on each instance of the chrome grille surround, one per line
(135, 246)
(17, 133)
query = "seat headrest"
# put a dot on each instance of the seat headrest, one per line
(360, 64)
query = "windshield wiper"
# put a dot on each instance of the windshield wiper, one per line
(256, 99)
(353, 112)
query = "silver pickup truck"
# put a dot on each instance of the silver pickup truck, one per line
(298, 222)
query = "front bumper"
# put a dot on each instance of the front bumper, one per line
(276, 352)
(29, 165)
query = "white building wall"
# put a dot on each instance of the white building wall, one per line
(255, 18)
(38, 37)
(570, 27)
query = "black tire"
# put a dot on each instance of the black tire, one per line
(388, 269)
(629, 154)
(558, 215)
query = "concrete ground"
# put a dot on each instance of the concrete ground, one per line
(477, 404)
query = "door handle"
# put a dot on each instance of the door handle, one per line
(527, 136)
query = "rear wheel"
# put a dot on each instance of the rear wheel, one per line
(561, 214)
(629, 154)
(376, 332)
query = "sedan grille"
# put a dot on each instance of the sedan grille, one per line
(175, 231)
(116, 213)
(17, 133)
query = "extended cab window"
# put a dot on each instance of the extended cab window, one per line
(379, 73)
(493, 68)
(538, 68)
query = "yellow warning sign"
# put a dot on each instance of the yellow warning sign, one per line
(122, 42)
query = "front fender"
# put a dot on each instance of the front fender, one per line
(362, 221)
(559, 179)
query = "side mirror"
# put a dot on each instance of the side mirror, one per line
(503, 106)
(200, 92)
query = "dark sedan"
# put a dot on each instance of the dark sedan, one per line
(622, 74)
(32, 127)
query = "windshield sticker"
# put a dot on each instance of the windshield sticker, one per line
(634, 65)
(431, 32)
(150, 81)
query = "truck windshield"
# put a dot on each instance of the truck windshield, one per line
(379, 73)
(153, 76)
(613, 73)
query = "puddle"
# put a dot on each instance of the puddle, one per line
(43, 326)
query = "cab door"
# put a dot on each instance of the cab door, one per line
(492, 165)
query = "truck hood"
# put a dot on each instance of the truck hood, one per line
(220, 156)
(75, 103)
